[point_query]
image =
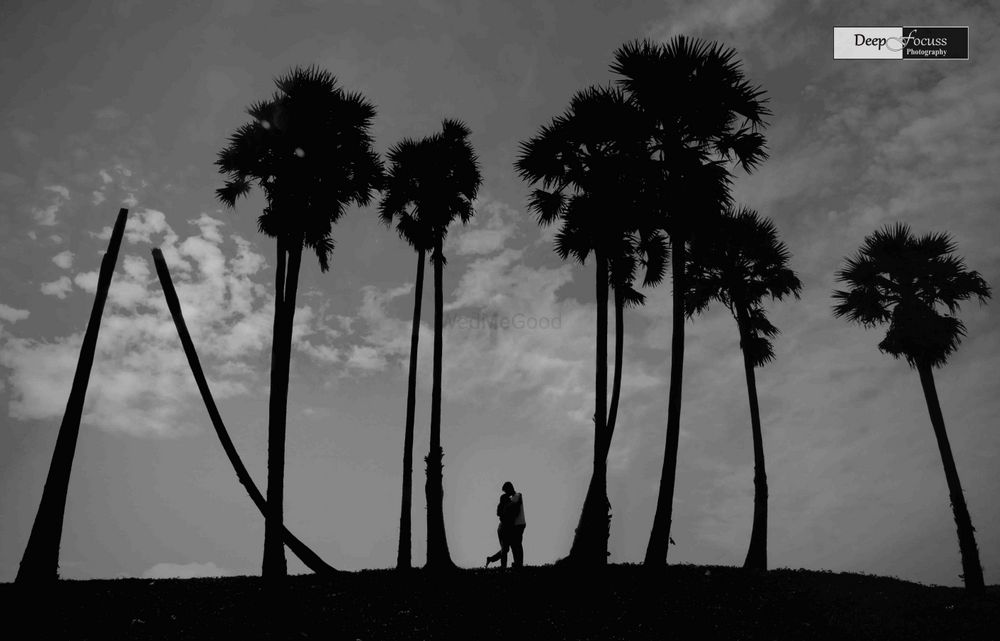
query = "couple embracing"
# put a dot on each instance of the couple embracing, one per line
(510, 510)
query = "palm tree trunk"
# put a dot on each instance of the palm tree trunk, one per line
(659, 536)
(756, 558)
(437, 543)
(403, 556)
(590, 542)
(40, 563)
(274, 565)
(616, 380)
(972, 569)
(298, 548)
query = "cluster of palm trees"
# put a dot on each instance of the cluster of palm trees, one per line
(309, 149)
(636, 173)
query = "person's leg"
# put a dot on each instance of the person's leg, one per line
(493, 558)
(505, 537)
(516, 545)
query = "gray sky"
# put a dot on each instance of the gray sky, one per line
(128, 102)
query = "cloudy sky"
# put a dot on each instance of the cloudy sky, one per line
(126, 103)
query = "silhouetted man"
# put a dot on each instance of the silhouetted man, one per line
(510, 509)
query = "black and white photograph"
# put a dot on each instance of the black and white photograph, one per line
(499, 319)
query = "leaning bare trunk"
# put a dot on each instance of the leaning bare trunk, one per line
(659, 536)
(590, 543)
(403, 556)
(972, 569)
(274, 565)
(438, 556)
(298, 548)
(40, 563)
(756, 558)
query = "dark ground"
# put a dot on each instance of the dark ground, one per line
(620, 602)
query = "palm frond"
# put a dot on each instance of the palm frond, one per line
(916, 285)
(309, 148)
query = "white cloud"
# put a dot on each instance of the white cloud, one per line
(489, 230)
(12, 315)
(141, 225)
(366, 358)
(97, 197)
(105, 177)
(87, 281)
(58, 288)
(185, 571)
(59, 190)
(141, 383)
(47, 215)
(209, 227)
(130, 201)
(63, 259)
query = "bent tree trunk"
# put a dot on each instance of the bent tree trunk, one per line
(972, 569)
(40, 563)
(274, 565)
(438, 556)
(590, 542)
(756, 558)
(298, 548)
(616, 380)
(404, 555)
(659, 536)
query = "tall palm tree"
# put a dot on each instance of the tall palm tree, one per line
(309, 148)
(915, 284)
(705, 116)
(40, 563)
(410, 173)
(439, 189)
(739, 265)
(590, 164)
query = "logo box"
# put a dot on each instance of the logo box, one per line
(901, 43)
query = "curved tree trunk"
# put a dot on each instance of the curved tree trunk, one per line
(403, 556)
(438, 556)
(40, 563)
(659, 536)
(972, 569)
(616, 380)
(590, 542)
(756, 558)
(298, 548)
(274, 565)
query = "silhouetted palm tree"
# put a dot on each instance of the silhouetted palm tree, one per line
(705, 115)
(441, 190)
(412, 171)
(915, 285)
(739, 265)
(591, 163)
(310, 150)
(40, 563)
